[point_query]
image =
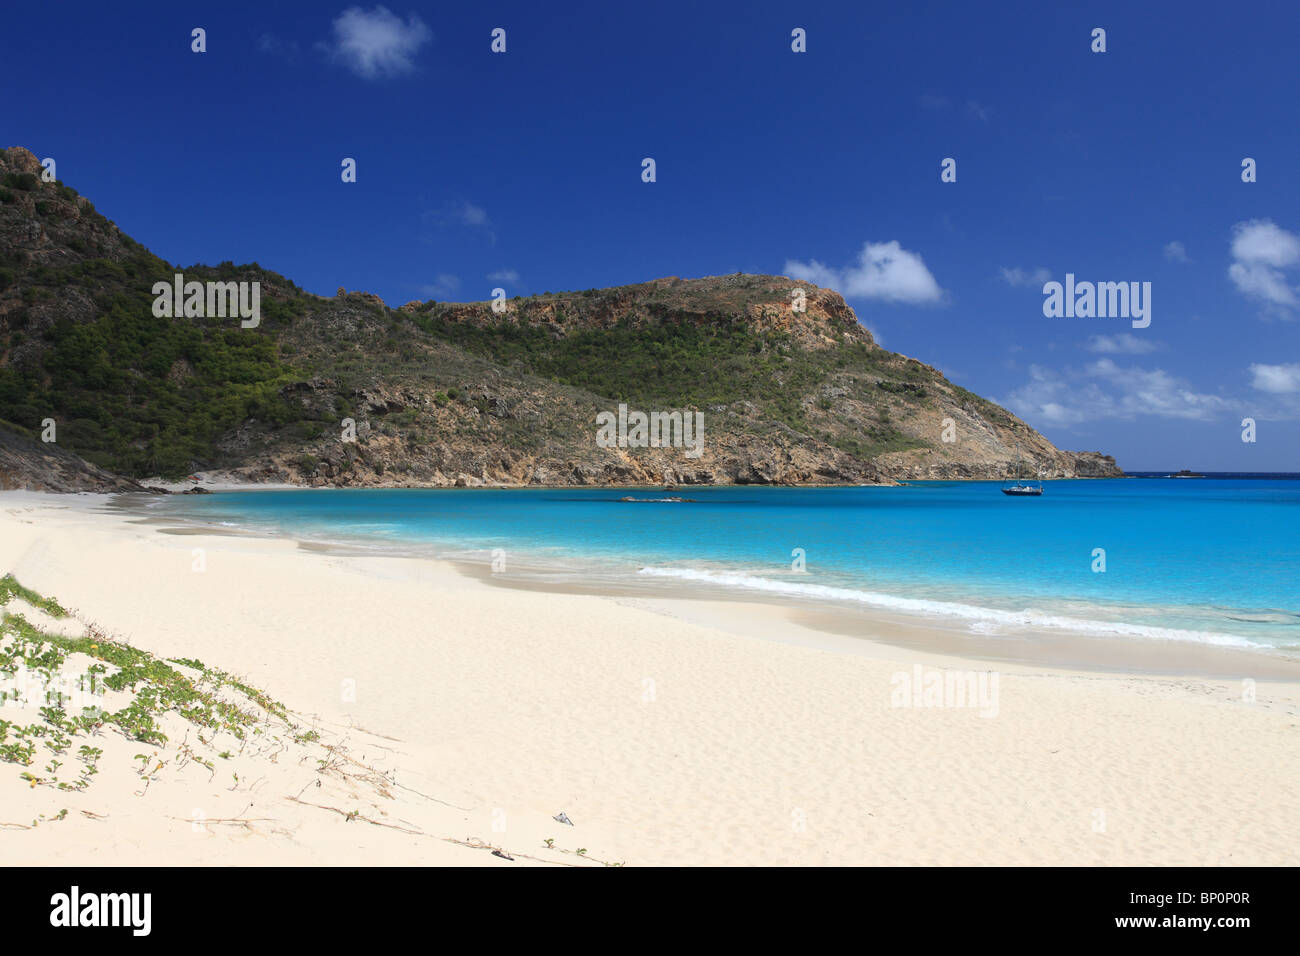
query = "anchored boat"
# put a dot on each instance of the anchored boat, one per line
(1022, 488)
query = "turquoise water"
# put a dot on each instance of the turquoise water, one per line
(1209, 560)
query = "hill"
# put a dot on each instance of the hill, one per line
(457, 393)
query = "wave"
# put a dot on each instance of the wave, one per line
(983, 618)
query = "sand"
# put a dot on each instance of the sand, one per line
(670, 732)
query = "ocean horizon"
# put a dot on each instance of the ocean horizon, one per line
(1209, 561)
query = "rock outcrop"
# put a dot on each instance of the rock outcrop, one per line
(37, 466)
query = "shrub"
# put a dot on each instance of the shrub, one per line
(24, 181)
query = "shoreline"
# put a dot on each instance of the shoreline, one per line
(226, 485)
(1081, 648)
(669, 732)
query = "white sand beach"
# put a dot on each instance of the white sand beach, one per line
(456, 717)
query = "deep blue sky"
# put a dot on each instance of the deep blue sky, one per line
(528, 165)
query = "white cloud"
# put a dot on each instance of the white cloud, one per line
(1176, 252)
(816, 273)
(470, 214)
(1261, 240)
(1276, 378)
(461, 213)
(1261, 253)
(885, 270)
(1125, 343)
(504, 275)
(271, 44)
(444, 286)
(1019, 277)
(976, 110)
(1104, 390)
(377, 43)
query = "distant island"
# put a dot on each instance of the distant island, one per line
(345, 391)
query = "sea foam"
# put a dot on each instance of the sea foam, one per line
(985, 616)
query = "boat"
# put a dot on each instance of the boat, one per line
(1187, 474)
(673, 498)
(1022, 488)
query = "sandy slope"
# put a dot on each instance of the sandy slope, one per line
(666, 739)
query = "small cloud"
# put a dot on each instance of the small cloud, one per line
(471, 215)
(1125, 343)
(884, 270)
(461, 213)
(272, 45)
(1176, 252)
(1019, 277)
(929, 101)
(504, 275)
(444, 286)
(816, 273)
(976, 110)
(1104, 390)
(377, 43)
(1278, 379)
(1262, 252)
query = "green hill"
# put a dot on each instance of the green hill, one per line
(455, 393)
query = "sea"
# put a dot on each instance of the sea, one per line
(1212, 560)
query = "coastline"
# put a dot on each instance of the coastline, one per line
(670, 730)
(225, 481)
(1080, 644)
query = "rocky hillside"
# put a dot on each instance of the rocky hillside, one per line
(27, 465)
(456, 393)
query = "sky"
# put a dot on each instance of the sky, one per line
(523, 170)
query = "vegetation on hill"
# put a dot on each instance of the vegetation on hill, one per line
(650, 366)
(442, 389)
(133, 393)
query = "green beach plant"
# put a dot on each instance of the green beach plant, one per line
(156, 688)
